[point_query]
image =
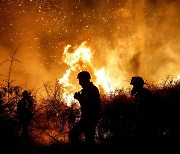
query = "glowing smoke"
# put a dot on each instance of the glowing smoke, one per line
(128, 38)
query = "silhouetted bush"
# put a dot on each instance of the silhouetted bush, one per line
(53, 118)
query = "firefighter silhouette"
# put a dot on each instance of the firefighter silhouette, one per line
(89, 99)
(145, 115)
(25, 112)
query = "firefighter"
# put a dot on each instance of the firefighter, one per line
(89, 99)
(25, 112)
(144, 97)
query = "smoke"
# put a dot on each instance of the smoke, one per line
(135, 37)
(145, 40)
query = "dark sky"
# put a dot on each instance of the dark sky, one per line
(133, 37)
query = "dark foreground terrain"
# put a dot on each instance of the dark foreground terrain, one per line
(130, 145)
(116, 129)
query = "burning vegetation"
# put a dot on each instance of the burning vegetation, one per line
(55, 115)
(45, 44)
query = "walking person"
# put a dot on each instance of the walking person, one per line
(89, 99)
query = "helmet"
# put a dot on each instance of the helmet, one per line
(137, 81)
(25, 93)
(84, 75)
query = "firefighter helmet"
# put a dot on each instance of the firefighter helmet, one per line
(25, 93)
(137, 81)
(84, 75)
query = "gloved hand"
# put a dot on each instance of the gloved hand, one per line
(77, 95)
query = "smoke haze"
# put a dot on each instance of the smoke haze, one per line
(127, 37)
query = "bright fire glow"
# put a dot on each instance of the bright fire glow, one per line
(103, 80)
(178, 77)
(78, 60)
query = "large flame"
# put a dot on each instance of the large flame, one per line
(129, 38)
(78, 60)
(81, 59)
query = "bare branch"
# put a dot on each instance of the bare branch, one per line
(3, 62)
(17, 60)
(10, 68)
(16, 51)
(3, 75)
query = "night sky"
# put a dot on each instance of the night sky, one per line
(128, 37)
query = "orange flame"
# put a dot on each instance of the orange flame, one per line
(176, 79)
(104, 80)
(80, 60)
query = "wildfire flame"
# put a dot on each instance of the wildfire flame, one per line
(176, 79)
(81, 59)
(104, 80)
(77, 61)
